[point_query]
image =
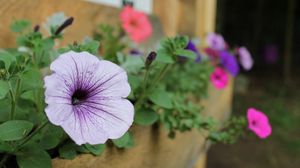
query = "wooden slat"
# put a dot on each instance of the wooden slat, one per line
(87, 15)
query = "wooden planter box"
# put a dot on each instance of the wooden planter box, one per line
(153, 148)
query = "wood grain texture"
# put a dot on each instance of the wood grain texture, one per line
(87, 15)
(190, 17)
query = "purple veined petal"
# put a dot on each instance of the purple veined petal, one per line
(117, 113)
(86, 97)
(112, 84)
(58, 113)
(84, 128)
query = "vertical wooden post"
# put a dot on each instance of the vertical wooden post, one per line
(168, 12)
(205, 17)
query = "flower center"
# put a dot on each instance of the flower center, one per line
(79, 96)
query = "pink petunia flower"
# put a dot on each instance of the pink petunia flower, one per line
(87, 98)
(258, 122)
(215, 41)
(135, 24)
(219, 78)
(245, 58)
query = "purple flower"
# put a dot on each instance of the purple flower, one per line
(245, 58)
(192, 47)
(229, 62)
(215, 41)
(86, 97)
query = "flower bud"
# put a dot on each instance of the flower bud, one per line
(151, 57)
(36, 28)
(67, 23)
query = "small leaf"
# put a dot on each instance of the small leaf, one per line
(68, 151)
(31, 80)
(51, 138)
(20, 25)
(4, 88)
(133, 64)
(164, 56)
(7, 58)
(5, 147)
(95, 149)
(14, 130)
(185, 53)
(32, 156)
(161, 97)
(126, 141)
(145, 117)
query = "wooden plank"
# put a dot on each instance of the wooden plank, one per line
(205, 17)
(191, 17)
(87, 15)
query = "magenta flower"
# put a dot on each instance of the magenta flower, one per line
(258, 122)
(215, 41)
(86, 97)
(219, 78)
(245, 58)
(136, 24)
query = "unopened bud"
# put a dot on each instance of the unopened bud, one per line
(67, 23)
(151, 57)
(36, 28)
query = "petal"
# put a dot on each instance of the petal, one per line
(109, 80)
(57, 90)
(74, 65)
(58, 113)
(117, 114)
(83, 128)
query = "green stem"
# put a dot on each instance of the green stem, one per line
(159, 76)
(13, 102)
(26, 139)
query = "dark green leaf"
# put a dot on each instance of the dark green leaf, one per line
(126, 141)
(68, 151)
(31, 80)
(14, 130)
(5, 147)
(95, 149)
(164, 56)
(7, 58)
(51, 138)
(161, 97)
(145, 117)
(32, 156)
(185, 53)
(4, 89)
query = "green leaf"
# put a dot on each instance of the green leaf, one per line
(51, 138)
(185, 53)
(68, 151)
(32, 156)
(31, 80)
(164, 56)
(145, 117)
(95, 149)
(14, 130)
(7, 58)
(133, 64)
(20, 25)
(134, 81)
(5, 147)
(28, 95)
(126, 141)
(161, 97)
(4, 88)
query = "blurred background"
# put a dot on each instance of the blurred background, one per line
(270, 29)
